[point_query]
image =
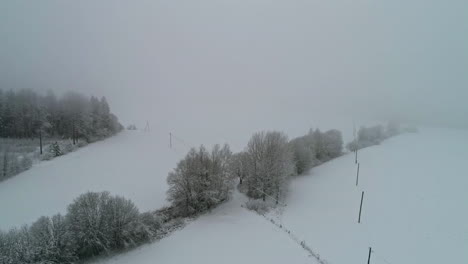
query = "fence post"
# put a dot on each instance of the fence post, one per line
(370, 252)
(360, 208)
(357, 175)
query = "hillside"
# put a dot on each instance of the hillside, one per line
(412, 212)
(229, 234)
(413, 209)
(133, 164)
(415, 192)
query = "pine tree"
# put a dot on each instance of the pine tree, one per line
(55, 150)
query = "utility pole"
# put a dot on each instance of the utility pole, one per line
(370, 252)
(360, 208)
(357, 174)
(73, 132)
(40, 140)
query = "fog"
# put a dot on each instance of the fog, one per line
(218, 70)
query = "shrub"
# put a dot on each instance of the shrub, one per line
(54, 149)
(259, 205)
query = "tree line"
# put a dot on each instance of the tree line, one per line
(27, 114)
(94, 223)
(62, 124)
(374, 135)
(204, 179)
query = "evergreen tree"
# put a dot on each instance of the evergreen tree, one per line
(55, 150)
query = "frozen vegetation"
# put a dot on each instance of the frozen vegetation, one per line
(36, 127)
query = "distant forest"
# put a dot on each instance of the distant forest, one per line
(27, 114)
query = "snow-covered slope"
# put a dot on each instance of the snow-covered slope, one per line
(229, 234)
(133, 164)
(414, 211)
(415, 206)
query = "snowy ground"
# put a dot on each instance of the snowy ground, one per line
(229, 234)
(133, 164)
(414, 207)
(414, 211)
(415, 203)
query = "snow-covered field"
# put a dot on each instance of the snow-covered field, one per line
(414, 210)
(133, 164)
(230, 234)
(415, 206)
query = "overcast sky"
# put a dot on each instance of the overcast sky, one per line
(234, 65)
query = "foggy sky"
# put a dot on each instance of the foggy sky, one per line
(233, 66)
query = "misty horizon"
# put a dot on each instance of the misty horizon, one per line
(258, 64)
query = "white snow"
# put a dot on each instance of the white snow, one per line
(415, 203)
(414, 211)
(133, 164)
(229, 234)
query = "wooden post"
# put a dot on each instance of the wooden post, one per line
(357, 174)
(40, 140)
(355, 154)
(360, 208)
(370, 252)
(73, 132)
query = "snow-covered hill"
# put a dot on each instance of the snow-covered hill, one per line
(133, 164)
(414, 211)
(229, 234)
(414, 208)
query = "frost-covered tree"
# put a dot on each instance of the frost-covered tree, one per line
(239, 165)
(369, 136)
(201, 180)
(303, 153)
(315, 148)
(125, 227)
(27, 114)
(99, 222)
(332, 144)
(55, 150)
(50, 240)
(87, 225)
(95, 223)
(326, 145)
(270, 163)
(16, 246)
